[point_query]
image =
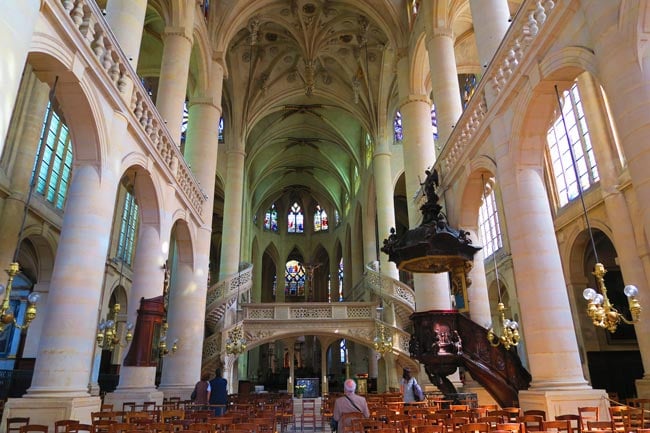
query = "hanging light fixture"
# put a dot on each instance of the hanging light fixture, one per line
(7, 316)
(163, 350)
(508, 332)
(599, 308)
(383, 341)
(107, 337)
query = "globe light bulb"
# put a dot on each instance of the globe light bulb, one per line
(630, 291)
(33, 297)
(598, 299)
(589, 294)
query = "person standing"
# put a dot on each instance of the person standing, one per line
(349, 403)
(406, 385)
(202, 391)
(219, 393)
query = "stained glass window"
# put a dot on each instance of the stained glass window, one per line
(128, 229)
(337, 218)
(56, 166)
(398, 133)
(295, 220)
(434, 122)
(271, 219)
(341, 275)
(184, 122)
(320, 219)
(369, 150)
(294, 279)
(488, 222)
(221, 126)
(468, 86)
(343, 349)
(560, 155)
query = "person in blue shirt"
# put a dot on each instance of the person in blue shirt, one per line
(219, 393)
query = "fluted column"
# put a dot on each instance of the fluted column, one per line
(432, 290)
(617, 210)
(385, 205)
(232, 217)
(17, 23)
(552, 348)
(24, 148)
(444, 80)
(491, 21)
(66, 349)
(174, 70)
(126, 19)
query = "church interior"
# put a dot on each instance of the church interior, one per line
(296, 192)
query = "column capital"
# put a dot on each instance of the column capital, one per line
(204, 100)
(414, 98)
(235, 151)
(440, 32)
(178, 31)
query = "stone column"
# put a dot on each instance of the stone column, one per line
(279, 281)
(444, 80)
(126, 19)
(385, 205)
(553, 356)
(432, 290)
(232, 217)
(24, 143)
(477, 291)
(172, 87)
(491, 20)
(139, 383)
(187, 297)
(617, 210)
(17, 23)
(65, 355)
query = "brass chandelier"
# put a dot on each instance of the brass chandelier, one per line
(236, 343)
(599, 308)
(383, 341)
(107, 337)
(508, 333)
(6, 313)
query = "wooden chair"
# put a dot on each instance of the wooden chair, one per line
(599, 426)
(34, 428)
(633, 419)
(617, 415)
(437, 428)
(81, 428)
(573, 419)
(345, 423)
(475, 427)
(531, 422)
(643, 403)
(453, 424)
(309, 415)
(106, 407)
(559, 426)
(457, 407)
(159, 427)
(15, 423)
(588, 413)
(510, 427)
(202, 427)
(537, 412)
(61, 426)
(128, 406)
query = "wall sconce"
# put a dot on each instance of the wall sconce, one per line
(107, 337)
(6, 315)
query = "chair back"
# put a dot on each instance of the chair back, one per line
(588, 413)
(15, 423)
(558, 425)
(61, 426)
(36, 428)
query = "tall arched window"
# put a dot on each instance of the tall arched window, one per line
(488, 222)
(295, 219)
(56, 166)
(128, 229)
(559, 154)
(294, 279)
(271, 219)
(398, 133)
(320, 219)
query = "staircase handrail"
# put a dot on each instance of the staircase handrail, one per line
(227, 288)
(390, 287)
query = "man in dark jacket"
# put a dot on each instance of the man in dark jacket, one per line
(219, 394)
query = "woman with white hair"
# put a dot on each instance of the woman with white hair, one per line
(349, 406)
